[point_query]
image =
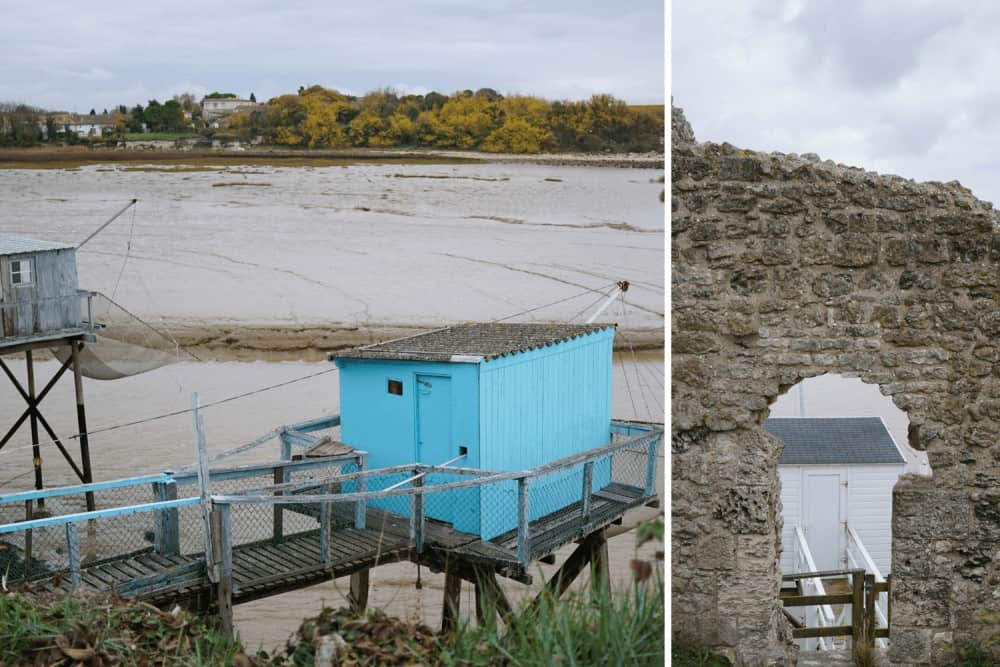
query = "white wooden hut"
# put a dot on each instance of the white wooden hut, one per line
(837, 475)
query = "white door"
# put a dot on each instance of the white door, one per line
(824, 512)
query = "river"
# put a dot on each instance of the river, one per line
(349, 246)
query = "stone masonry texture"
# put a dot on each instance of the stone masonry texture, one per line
(787, 267)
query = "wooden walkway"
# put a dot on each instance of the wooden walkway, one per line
(270, 567)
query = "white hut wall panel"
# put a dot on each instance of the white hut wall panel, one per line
(791, 514)
(869, 508)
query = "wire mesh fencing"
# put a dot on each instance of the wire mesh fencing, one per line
(42, 551)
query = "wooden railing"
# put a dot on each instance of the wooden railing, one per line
(863, 629)
(858, 557)
(63, 311)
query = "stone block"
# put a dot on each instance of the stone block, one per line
(910, 645)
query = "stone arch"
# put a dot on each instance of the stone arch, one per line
(786, 267)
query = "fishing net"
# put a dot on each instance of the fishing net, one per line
(125, 346)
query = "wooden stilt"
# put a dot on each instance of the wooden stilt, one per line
(600, 572)
(571, 568)
(36, 450)
(489, 596)
(452, 601)
(358, 595)
(480, 604)
(81, 421)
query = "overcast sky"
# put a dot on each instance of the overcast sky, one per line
(905, 87)
(70, 56)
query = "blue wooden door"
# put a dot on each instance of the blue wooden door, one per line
(434, 419)
(434, 445)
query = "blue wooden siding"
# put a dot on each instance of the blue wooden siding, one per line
(537, 407)
(385, 425)
(512, 413)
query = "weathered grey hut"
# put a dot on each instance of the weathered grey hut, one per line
(41, 307)
(39, 292)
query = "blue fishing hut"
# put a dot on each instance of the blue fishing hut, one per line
(507, 396)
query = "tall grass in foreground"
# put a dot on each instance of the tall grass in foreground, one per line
(580, 628)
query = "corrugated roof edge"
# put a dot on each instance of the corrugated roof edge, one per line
(599, 328)
(11, 244)
(370, 352)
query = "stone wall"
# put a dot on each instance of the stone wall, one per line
(787, 267)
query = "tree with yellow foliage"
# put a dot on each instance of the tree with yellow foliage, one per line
(517, 135)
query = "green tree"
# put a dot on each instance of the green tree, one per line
(172, 116)
(253, 98)
(136, 118)
(153, 115)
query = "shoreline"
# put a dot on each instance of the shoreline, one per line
(313, 342)
(70, 157)
(247, 342)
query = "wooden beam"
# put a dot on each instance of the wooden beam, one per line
(857, 611)
(571, 567)
(452, 601)
(357, 597)
(81, 420)
(489, 596)
(600, 572)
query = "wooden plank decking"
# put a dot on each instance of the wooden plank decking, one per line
(269, 567)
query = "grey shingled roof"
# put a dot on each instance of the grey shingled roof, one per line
(472, 342)
(13, 245)
(833, 440)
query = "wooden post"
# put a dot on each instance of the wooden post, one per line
(73, 553)
(36, 450)
(600, 572)
(588, 483)
(651, 468)
(81, 422)
(418, 515)
(360, 508)
(223, 546)
(279, 513)
(523, 536)
(871, 619)
(452, 601)
(888, 605)
(28, 516)
(357, 597)
(203, 481)
(166, 530)
(857, 610)
(324, 528)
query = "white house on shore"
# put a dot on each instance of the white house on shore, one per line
(213, 108)
(837, 475)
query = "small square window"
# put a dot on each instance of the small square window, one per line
(20, 272)
(395, 387)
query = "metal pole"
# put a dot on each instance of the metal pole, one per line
(113, 218)
(81, 422)
(620, 288)
(651, 467)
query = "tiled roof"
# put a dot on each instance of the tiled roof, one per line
(473, 342)
(13, 245)
(833, 440)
